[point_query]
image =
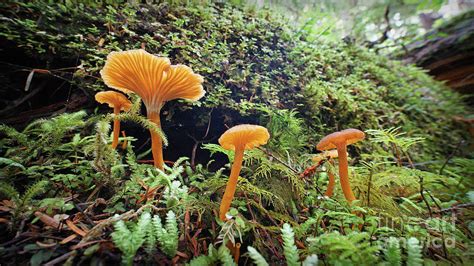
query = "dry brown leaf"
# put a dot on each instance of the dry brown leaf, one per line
(68, 239)
(75, 229)
(47, 220)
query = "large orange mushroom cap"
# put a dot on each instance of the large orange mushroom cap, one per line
(153, 78)
(349, 136)
(249, 136)
(114, 100)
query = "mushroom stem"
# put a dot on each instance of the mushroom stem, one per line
(344, 172)
(116, 128)
(156, 141)
(332, 182)
(232, 183)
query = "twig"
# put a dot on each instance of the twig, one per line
(61, 258)
(450, 156)
(97, 230)
(423, 197)
(369, 186)
(454, 208)
(197, 142)
(279, 160)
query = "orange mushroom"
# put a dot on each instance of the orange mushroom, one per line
(156, 81)
(239, 138)
(118, 102)
(340, 140)
(328, 155)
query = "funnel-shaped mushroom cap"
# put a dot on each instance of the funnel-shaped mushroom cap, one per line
(153, 78)
(114, 99)
(347, 136)
(249, 136)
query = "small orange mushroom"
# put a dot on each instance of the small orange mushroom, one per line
(328, 155)
(340, 140)
(156, 81)
(239, 138)
(118, 102)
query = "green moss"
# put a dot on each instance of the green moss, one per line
(249, 60)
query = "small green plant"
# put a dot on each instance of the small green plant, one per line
(414, 252)
(128, 239)
(221, 255)
(289, 250)
(22, 205)
(167, 235)
(392, 252)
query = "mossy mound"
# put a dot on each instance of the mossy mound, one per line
(251, 62)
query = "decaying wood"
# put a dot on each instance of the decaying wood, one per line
(448, 53)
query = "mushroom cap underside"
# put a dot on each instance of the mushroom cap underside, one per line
(114, 99)
(330, 153)
(347, 136)
(249, 136)
(153, 78)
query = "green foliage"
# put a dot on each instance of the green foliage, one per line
(23, 204)
(414, 252)
(289, 247)
(221, 255)
(392, 253)
(167, 236)
(130, 238)
(352, 249)
(256, 257)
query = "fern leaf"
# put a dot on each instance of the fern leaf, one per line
(392, 252)
(34, 190)
(289, 247)
(257, 258)
(224, 256)
(9, 191)
(414, 257)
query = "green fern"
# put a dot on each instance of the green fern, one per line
(130, 239)
(289, 247)
(392, 253)
(224, 256)
(353, 248)
(414, 252)
(9, 191)
(392, 136)
(167, 236)
(142, 121)
(14, 135)
(256, 257)
(214, 256)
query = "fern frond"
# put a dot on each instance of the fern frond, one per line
(33, 191)
(392, 253)
(224, 256)
(414, 252)
(142, 121)
(9, 191)
(206, 260)
(13, 134)
(256, 257)
(289, 247)
(128, 241)
(168, 235)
